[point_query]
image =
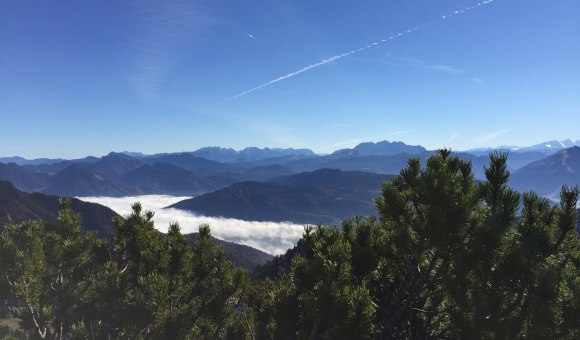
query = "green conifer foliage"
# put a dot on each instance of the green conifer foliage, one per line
(145, 285)
(446, 258)
(45, 266)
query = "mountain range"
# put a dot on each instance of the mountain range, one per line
(17, 206)
(545, 148)
(275, 184)
(546, 176)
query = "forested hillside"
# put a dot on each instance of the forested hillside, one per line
(323, 196)
(17, 207)
(445, 257)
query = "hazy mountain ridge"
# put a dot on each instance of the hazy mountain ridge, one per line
(186, 173)
(52, 168)
(324, 196)
(547, 175)
(249, 154)
(166, 178)
(22, 178)
(23, 161)
(545, 148)
(383, 148)
(17, 206)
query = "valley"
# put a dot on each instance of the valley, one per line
(262, 198)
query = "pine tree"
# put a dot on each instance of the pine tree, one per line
(45, 266)
(446, 258)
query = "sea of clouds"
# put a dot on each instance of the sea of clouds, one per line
(271, 237)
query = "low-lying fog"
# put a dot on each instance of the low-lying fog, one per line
(272, 237)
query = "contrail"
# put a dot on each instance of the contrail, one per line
(345, 54)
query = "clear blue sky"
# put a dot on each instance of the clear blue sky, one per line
(88, 77)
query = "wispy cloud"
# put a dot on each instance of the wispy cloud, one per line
(160, 31)
(491, 136)
(318, 64)
(413, 62)
(289, 75)
(322, 62)
(445, 68)
(453, 137)
(272, 237)
(344, 124)
(250, 36)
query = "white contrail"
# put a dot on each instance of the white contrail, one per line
(345, 54)
(320, 63)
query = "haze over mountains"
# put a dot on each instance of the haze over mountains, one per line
(17, 206)
(546, 148)
(546, 176)
(324, 196)
(295, 185)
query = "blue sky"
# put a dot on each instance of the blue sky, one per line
(88, 77)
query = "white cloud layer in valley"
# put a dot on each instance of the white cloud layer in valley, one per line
(272, 237)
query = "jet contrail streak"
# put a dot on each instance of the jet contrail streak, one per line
(345, 54)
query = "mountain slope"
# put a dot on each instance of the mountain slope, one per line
(52, 168)
(21, 177)
(545, 148)
(547, 175)
(255, 201)
(345, 162)
(80, 180)
(197, 165)
(23, 161)
(115, 164)
(352, 180)
(241, 255)
(168, 179)
(250, 154)
(327, 196)
(383, 148)
(17, 206)
(550, 147)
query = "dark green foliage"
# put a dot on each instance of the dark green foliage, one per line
(44, 266)
(279, 264)
(325, 195)
(64, 282)
(257, 201)
(241, 255)
(445, 257)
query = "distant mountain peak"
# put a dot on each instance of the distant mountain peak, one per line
(381, 148)
(216, 149)
(547, 147)
(547, 175)
(550, 147)
(134, 154)
(113, 154)
(248, 154)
